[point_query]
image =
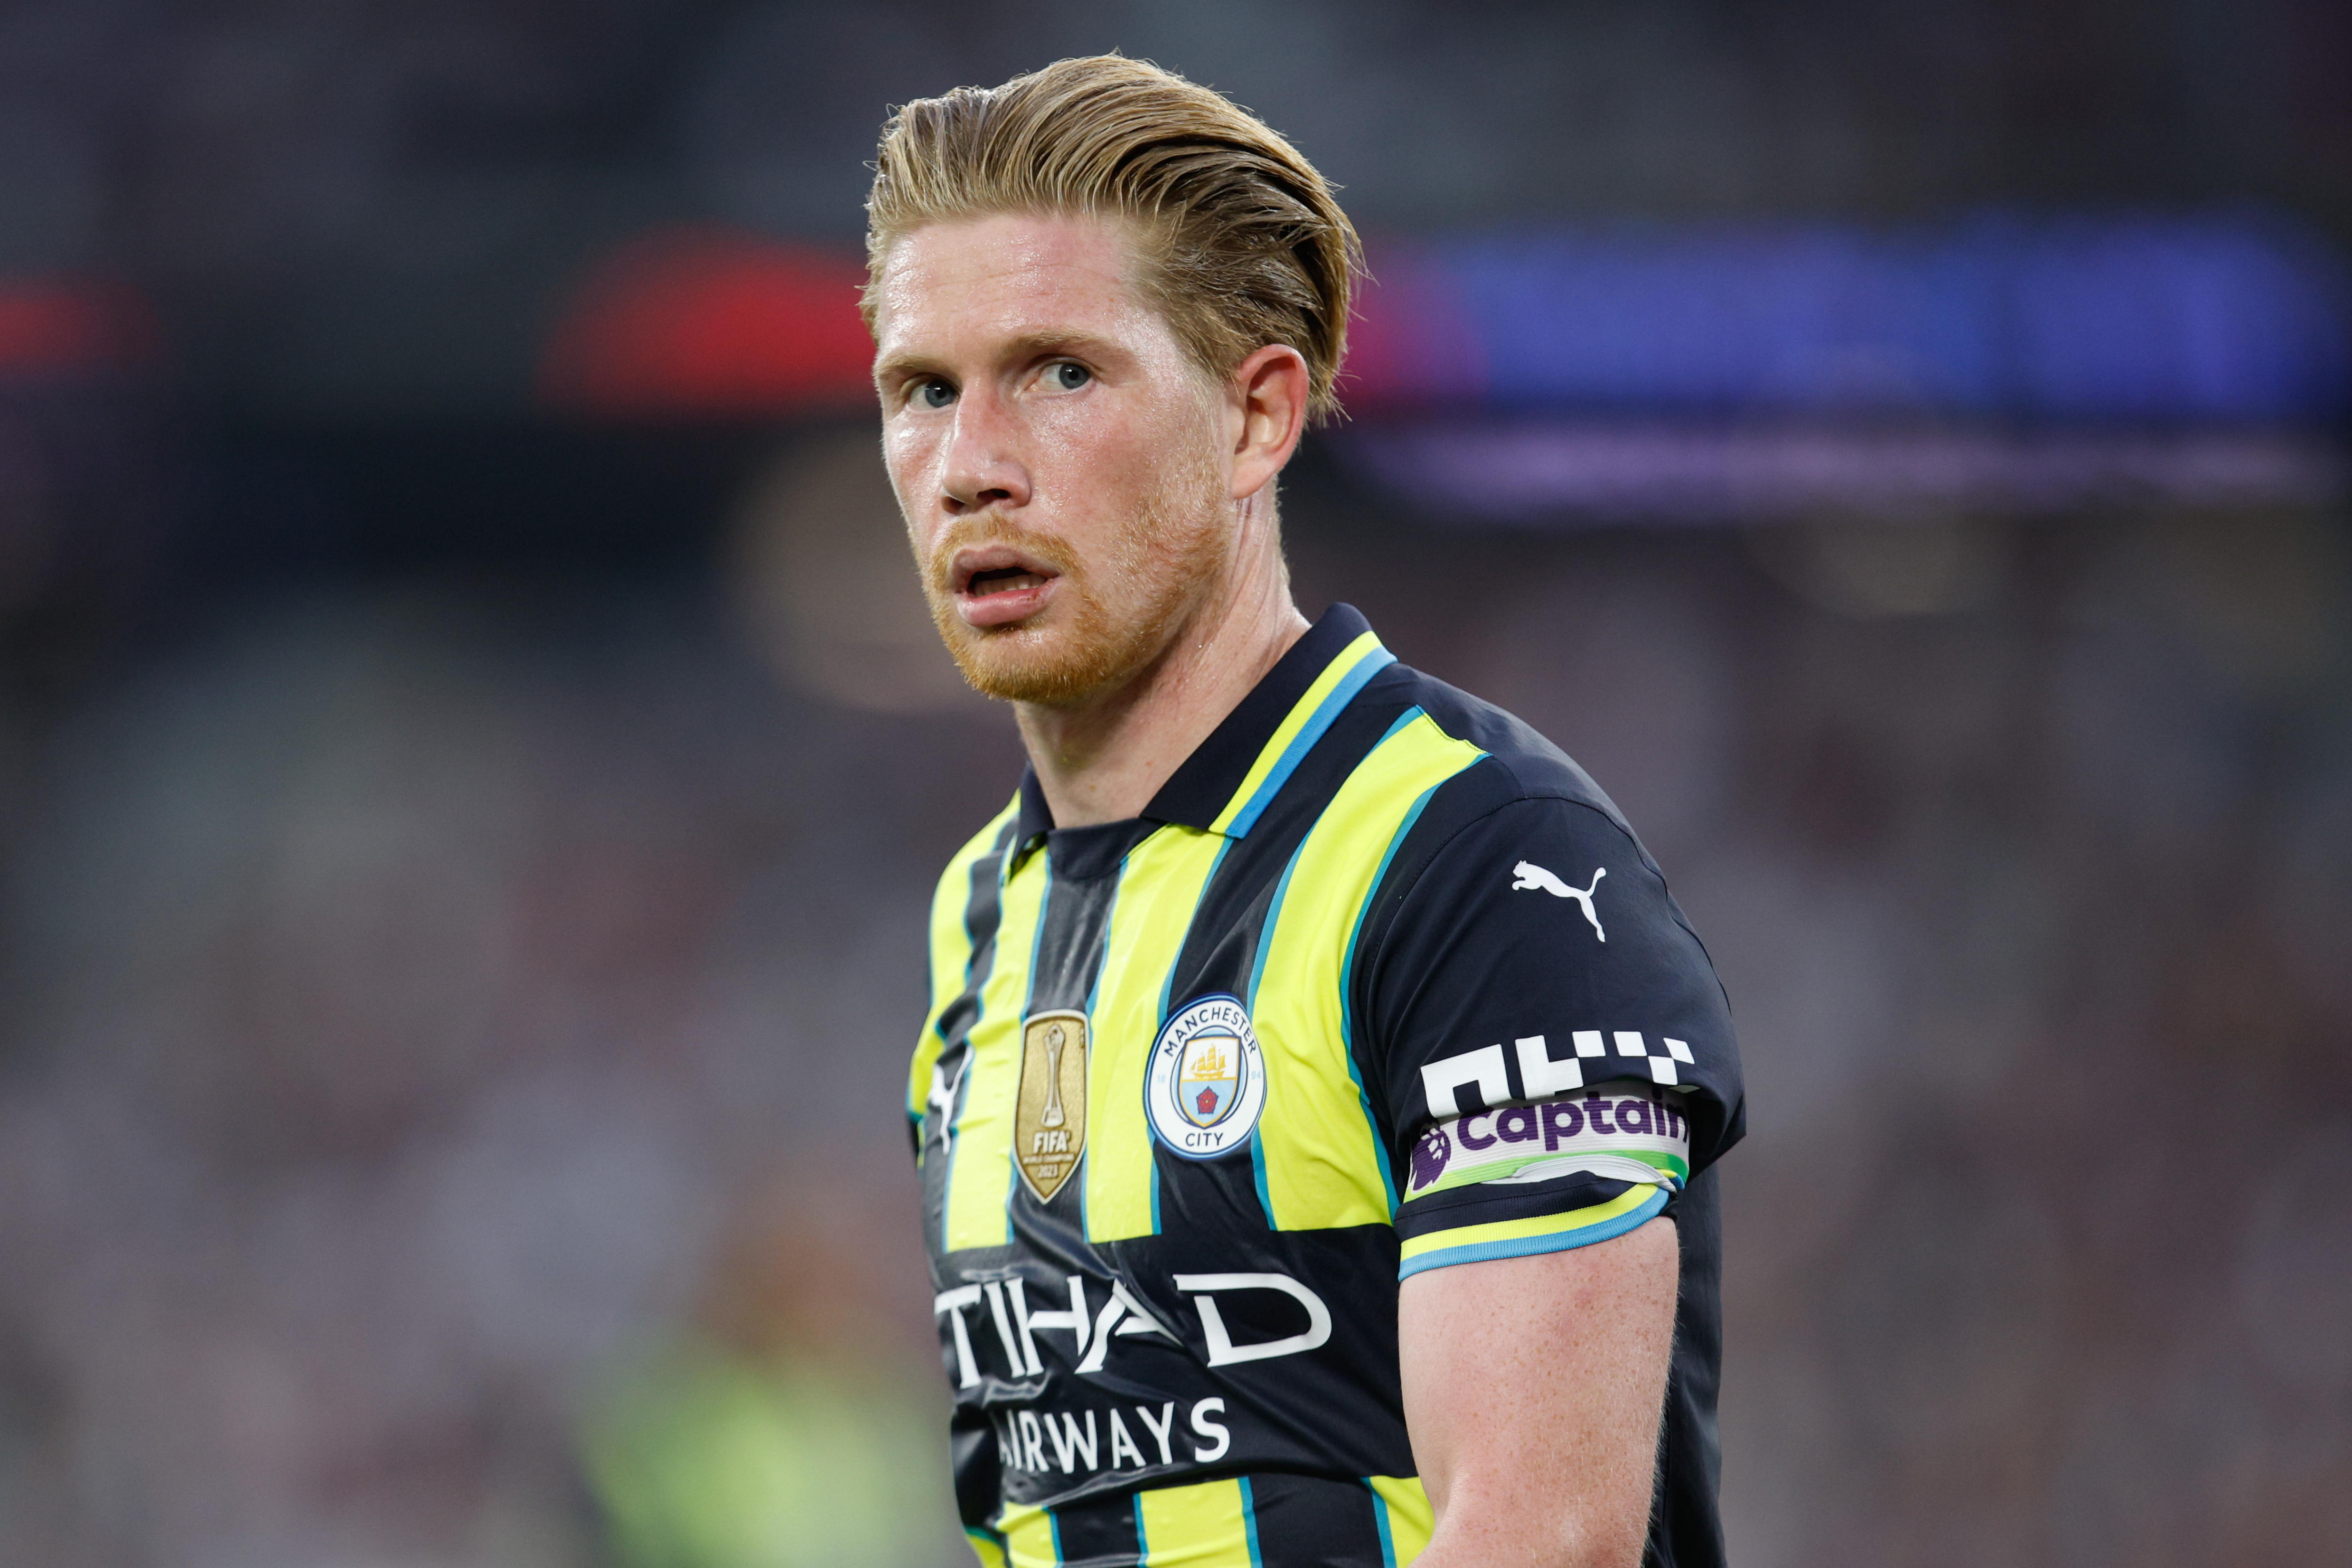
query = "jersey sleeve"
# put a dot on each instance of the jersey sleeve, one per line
(1547, 1036)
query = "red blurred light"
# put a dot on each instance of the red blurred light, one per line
(706, 324)
(1411, 343)
(54, 326)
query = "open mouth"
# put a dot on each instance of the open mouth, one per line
(1001, 585)
(1002, 580)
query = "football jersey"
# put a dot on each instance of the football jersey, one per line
(1380, 982)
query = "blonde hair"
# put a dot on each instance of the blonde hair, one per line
(1241, 242)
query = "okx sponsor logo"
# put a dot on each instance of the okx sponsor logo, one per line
(1593, 1055)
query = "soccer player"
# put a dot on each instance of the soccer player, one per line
(1319, 1090)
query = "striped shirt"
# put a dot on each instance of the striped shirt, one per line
(1380, 982)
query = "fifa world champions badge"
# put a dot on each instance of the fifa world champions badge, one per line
(1049, 1117)
(1207, 1083)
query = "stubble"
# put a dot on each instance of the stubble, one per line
(1110, 621)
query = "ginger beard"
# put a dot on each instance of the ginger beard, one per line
(1112, 616)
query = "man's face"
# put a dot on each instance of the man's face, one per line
(1059, 460)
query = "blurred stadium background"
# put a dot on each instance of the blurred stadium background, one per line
(472, 759)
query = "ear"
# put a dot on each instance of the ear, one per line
(1268, 392)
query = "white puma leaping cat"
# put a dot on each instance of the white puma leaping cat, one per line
(1531, 876)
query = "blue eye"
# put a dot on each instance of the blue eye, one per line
(934, 394)
(1067, 376)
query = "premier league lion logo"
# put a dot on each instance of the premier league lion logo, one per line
(1430, 1155)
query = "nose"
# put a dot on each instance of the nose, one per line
(983, 466)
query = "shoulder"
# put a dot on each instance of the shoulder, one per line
(1520, 873)
(1522, 939)
(1520, 784)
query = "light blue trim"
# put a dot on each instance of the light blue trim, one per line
(1257, 973)
(1366, 668)
(1053, 1525)
(1407, 717)
(1266, 926)
(1529, 1246)
(1142, 1546)
(1110, 915)
(1249, 1522)
(1168, 985)
(1380, 1517)
(1257, 1175)
(1086, 1216)
(1037, 944)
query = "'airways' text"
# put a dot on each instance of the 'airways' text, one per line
(1070, 1443)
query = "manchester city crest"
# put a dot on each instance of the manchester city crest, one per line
(1207, 1083)
(1049, 1115)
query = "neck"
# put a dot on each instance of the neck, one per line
(1103, 760)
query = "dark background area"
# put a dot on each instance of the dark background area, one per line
(463, 851)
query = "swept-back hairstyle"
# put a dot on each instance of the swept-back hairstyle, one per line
(1240, 240)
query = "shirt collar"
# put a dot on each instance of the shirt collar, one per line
(1227, 781)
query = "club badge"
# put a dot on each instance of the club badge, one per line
(1207, 1083)
(1049, 1116)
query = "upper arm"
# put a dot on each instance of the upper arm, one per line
(1532, 1390)
(1547, 1041)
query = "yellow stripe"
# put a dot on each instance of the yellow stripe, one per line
(1194, 1527)
(1029, 1535)
(990, 1554)
(950, 943)
(1521, 1229)
(1409, 1518)
(1295, 721)
(951, 952)
(1321, 1166)
(1158, 891)
(980, 1182)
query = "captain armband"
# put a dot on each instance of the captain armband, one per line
(1630, 1133)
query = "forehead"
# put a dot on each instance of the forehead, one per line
(961, 283)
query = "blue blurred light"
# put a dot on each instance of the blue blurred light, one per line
(2230, 318)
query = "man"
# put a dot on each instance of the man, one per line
(1316, 1100)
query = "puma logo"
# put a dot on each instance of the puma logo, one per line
(1529, 876)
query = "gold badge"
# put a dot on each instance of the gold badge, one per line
(1049, 1120)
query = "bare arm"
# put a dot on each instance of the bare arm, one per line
(1532, 1389)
